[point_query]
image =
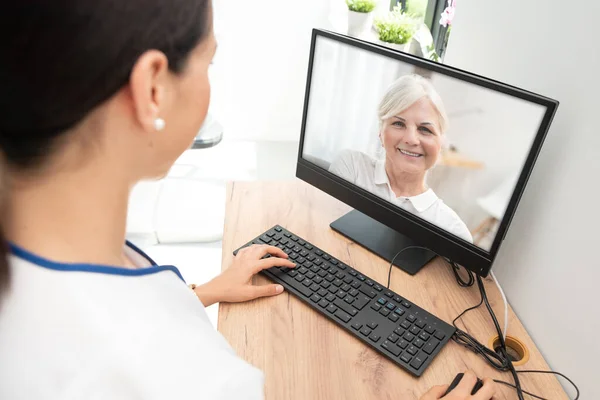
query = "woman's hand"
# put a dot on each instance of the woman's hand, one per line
(463, 390)
(235, 283)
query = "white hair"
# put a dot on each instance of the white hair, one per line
(404, 92)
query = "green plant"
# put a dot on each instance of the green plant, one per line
(396, 27)
(361, 6)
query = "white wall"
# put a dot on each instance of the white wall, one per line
(547, 264)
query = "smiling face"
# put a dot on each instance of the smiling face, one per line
(412, 138)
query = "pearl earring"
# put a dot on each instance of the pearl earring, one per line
(159, 124)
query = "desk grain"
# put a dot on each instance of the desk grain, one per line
(304, 356)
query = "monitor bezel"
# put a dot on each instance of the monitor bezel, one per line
(437, 239)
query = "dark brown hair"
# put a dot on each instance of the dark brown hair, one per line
(60, 59)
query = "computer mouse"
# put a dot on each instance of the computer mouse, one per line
(456, 381)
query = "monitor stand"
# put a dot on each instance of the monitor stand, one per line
(382, 240)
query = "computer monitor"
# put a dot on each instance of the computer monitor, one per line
(426, 155)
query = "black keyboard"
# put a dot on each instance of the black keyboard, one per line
(398, 329)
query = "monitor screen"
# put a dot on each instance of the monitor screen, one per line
(446, 150)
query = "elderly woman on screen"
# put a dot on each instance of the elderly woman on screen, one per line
(412, 123)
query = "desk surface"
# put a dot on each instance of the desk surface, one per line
(304, 355)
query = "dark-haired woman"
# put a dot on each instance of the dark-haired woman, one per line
(96, 95)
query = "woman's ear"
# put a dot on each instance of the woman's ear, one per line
(148, 82)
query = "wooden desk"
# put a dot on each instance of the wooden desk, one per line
(306, 357)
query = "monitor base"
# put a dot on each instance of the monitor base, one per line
(382, 240)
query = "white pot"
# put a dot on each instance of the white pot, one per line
(401, 47)
(358, 22)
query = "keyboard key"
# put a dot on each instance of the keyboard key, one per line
(403, 344)
(317, 261)
(405, 357)
(310, 257)
(420, 323)
(412, 350)
(352, 272)
(278, 229)
(349, 299)
(301, 260)
(405, 324)
(354, 293)
(397, 299)
(409, 336)
(414, 330)
(293, 273)
(337, 282)
(277, 238)
(307, 282)
(317, 279)
(418, 360)
(319, 253)
(341, 294)
(271, 234)
(393, 317)
(346, 288)
(310, 275)
(424, 336)
(322, 273)
(368, 292)
(342, 266)
(393, 338)
(308, 246)
(340, 275)
(329, 278)
(389, 294)
(342, 315)
(382, 301)
(384, 311)
(418, 343)
(411, 318)
(392, 348)
(330, 297)
(429, 329)
(301, 242)
(323, 303)
(378, 288)
(355, 284)
(374, 338)
(365, 331)
(331, 309)
(375, 306)
(315, 298)
(334, 261)
(286, 278)
(399, 311)
(294, 238)
(369, 282)
(266, 239)
(322, 292)
(348, 279)
(372, 324)
(304, 253)
(290, 245)
(356, 326)
(346, 307)
(302, 270)
(299, 277)
(325, 284)
(325, 257)
(430, 346)
(361, 301)
(439, 335)
(406, 304)
(332, 289)
(314, 287)
(390, 306)
(293, 256)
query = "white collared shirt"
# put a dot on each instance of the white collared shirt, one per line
(369, 173)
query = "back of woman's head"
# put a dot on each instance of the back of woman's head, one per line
(61, 59)
(404, 92)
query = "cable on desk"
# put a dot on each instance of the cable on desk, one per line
(400, 252)
(505, 330)
(498, 359)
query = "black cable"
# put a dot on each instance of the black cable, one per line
(400, 252)
(524, 391)
(461, 282)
